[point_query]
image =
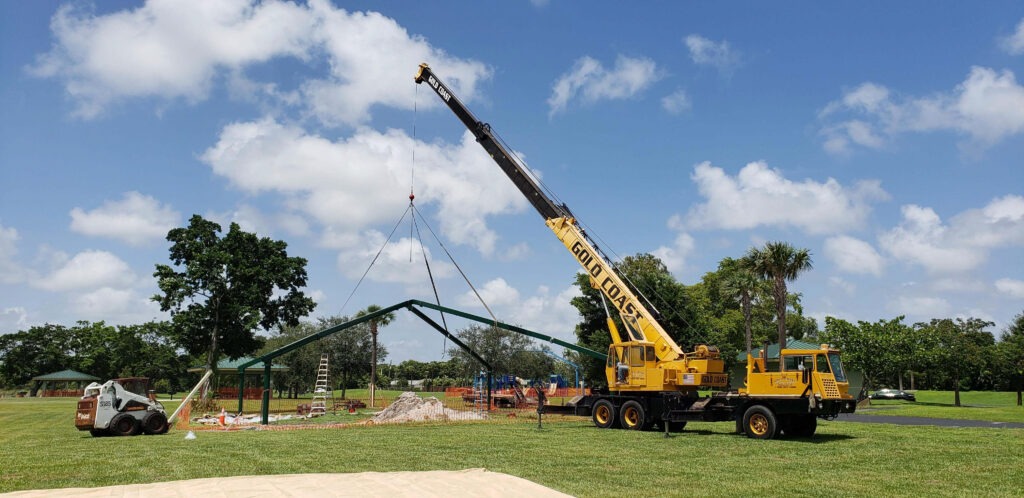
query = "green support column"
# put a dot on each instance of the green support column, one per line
(241, 388)
(266, 393)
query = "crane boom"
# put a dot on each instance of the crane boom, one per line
(701, 368)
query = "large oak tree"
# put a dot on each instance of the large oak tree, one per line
(220, 290)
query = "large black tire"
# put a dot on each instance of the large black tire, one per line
(802, 425)
(759, 423)
(124, 424)
(154, 423)
(604, 414)
(632, 416)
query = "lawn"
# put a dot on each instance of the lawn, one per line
(974, 405)
(42, 449)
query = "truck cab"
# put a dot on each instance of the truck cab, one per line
(815, 373)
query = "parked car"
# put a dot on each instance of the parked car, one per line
(892, 394)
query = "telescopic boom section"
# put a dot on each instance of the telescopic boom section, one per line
(544, 205)
(640, 324)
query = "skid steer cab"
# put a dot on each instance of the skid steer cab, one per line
(120, 407)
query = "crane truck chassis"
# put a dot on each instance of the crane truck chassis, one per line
(651, 380)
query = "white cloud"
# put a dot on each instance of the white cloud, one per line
(843, 285)
(11, 272)
(853, 255)
(179, 49)
(401, 261)
(986, 108)
(677, 102)
(706, 52)
(13, 319)
(1010, 287)
(589, 81)
(136, 219)
(675, 256)
(1014, 44)
(962, 245)
(167, 49)
(758, 196)
(89, 270)
(542, 312)
(351, 184)
(115, 305)
(372, 61)
(925, 307)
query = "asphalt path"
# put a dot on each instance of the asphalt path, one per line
(939, 422)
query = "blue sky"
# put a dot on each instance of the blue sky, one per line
(887, 138)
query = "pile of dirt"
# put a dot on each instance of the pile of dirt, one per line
(411, 408)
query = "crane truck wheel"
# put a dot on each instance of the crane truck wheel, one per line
(759, 422)
(154, 423)
(604, 414)
(124, 424)
(632, 416)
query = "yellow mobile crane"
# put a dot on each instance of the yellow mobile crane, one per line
(651, 380)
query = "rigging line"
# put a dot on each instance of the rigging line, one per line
(375, 258)
(430, 274)
(457, 267)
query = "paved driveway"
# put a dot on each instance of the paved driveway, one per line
(940, 422)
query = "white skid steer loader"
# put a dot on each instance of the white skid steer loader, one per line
(120, 407)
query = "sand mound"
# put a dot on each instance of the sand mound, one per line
(411, 408)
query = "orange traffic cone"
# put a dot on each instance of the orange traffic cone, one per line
(220, 419)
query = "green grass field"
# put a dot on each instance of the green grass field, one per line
(42, 449)
(991, 406)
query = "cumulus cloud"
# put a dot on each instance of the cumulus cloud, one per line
(961, 245)
(926, 307)
(706, 52)
(1010, 287)
(350, 184)
(180, 49)
(1014, 44)
(544, 312)
(11, 272)
(400, 261)
(853, 255)
(589, 81)
(13, 319)
(761, 196)
(986, 108)
(675, 256)
(372, 60)
(676, 103)
(136, 219)
(89, 270)
(167, 49)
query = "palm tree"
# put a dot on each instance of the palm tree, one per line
(741, 285)
(779, 262)
(382, 320)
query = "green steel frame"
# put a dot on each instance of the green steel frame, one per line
(412, 305)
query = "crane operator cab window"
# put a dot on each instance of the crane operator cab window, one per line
(798, 363)
(618, 358)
